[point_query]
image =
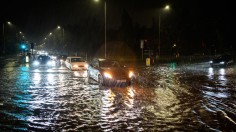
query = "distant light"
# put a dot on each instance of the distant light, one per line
(23, 46)
(167, 7)
(50, 33)
(45, 38)
(174, 45)
(96, 0)
(58, 27)
(20, 32)
(9, 23)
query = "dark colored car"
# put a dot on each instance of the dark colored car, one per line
(109, 72)
(43, 60)
(222, 61)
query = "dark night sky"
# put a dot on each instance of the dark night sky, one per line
(36, 18)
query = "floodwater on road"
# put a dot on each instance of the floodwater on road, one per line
(163, 98)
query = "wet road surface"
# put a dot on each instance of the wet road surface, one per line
(163, 98)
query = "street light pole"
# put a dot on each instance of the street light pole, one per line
(3, 37)
(105, 25)
(159, 35)
(167, 7)
(105, 13)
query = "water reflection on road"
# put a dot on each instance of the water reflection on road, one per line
(183, 98)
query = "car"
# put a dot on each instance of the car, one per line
(109, 72)
(222, 61)
(43, 61)
(76, 63)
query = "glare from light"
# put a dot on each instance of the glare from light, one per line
(36, 78)
(222, 71)
(131, 94)
(131, 74)
(86, 65)
(58, 27)
(108, 100)
(107, 75)
(50, 33)
(210, 71)
(9, 23)
(76, 73)
(222, 62)
(51, 63)
(167, 7)
(61, 78)
(49, 70)
(50, 78)
(75, 66)
(96, 0)
(35, 63)
(80, 73)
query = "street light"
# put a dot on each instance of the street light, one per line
(105, 34)
(167, 7)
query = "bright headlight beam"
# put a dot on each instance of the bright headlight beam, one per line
(131, 74)
(107, 75)
(36, 63)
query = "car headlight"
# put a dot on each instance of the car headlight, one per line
(210, 61)
(222, 62)
(75, 66)
(131, 74)
(51, 63)
(35, 63)
(86, 65)
(107, 75)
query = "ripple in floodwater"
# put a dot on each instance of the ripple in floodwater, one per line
(173, 99)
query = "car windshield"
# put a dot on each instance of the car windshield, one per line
(77, 60)
(43, 58)
(109, 64)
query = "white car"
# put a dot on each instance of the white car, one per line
(76, 63)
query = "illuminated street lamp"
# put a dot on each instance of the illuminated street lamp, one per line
(105, 35)
(166, 8)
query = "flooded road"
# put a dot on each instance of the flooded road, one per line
(163, 98)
